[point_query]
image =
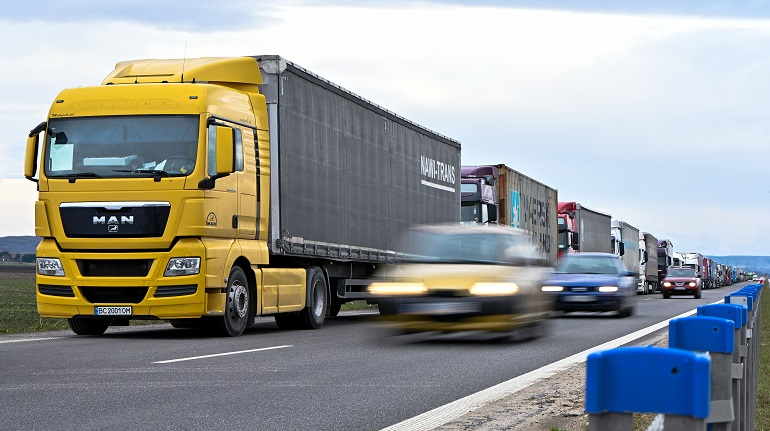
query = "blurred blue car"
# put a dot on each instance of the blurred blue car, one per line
(592, 282)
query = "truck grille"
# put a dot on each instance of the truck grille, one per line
(114, 268)
(164, 291)
(54, 290)
(114, 220)
(113, 295)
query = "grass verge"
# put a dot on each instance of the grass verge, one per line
(762, 415)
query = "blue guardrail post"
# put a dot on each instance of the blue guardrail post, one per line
(715, 336)
(736, 314)
(627, 380)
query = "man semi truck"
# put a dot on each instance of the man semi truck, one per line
(499, 194)
(209, 191)
(583, 229)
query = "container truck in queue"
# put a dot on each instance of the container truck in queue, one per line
(209, 191)
(498, 194)
(624, 242)
(648, 264)
(582, 229)
(696, 261)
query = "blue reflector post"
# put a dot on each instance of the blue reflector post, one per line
(725, 311)
(648, 380)
(702, 333)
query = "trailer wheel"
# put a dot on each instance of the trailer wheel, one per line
(238, 305)
(88, 326)
(313, 315)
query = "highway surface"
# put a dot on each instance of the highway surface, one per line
(350, 375)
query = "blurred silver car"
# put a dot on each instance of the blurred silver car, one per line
(454, 278)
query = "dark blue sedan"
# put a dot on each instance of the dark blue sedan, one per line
(592, 282)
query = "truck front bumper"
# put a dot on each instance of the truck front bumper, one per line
(133, 281)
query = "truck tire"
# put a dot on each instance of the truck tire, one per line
(238, 305)
(88, 326)
(314, 314)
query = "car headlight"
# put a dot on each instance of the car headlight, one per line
(608, 288)
(666, 284)
(50, 266)
(693, 284)
(494, 289)
(552, 288)
(388, 288)
(182, 266)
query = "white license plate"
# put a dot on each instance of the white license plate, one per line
(579, 298)
(112, 311)
(441, 308)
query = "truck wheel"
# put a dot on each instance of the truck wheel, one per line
(237, 306)
(88, 326)
(313, 315)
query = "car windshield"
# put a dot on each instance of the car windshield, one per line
(120, 146)
(588, 265)
(681, 273)
(457, 245)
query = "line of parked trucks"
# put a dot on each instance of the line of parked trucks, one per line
(211, 191)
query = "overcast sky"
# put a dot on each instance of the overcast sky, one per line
(655, 112)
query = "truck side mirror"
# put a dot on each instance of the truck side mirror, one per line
(622, 249)
(30, 158)
(224, 155)
(575, 241)
(492, 216)
(644, 257)
(225, 163)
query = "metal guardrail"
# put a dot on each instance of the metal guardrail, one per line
(705, 379)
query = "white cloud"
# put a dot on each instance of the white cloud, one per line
(660, 120)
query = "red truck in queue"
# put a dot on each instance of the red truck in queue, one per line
(582, 229)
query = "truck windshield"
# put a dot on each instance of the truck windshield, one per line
(121, 146)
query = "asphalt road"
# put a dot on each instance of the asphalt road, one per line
(350, 375)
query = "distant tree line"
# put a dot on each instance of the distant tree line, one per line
(6, 256)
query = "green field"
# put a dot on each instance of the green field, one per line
(18, 312)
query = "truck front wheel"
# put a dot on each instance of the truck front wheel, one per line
(88, 326)
(238, 305)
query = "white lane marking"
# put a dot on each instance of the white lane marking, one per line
(220, 354)
(449, 412)
(29, 339)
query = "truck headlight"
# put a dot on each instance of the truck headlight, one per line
(552, 288)
(494, 289)
(50, 266)
(608, 288)
(182, 266)
(385, 288)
